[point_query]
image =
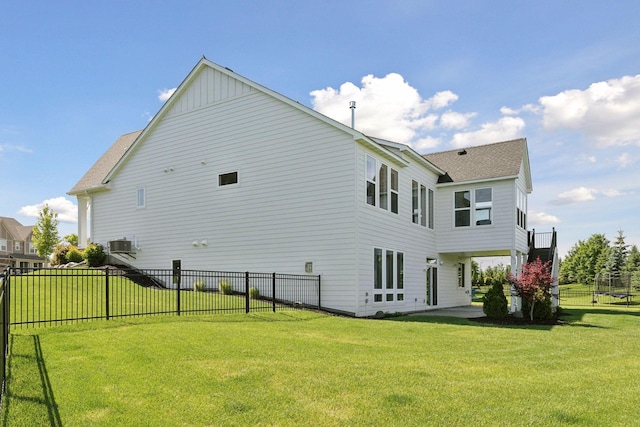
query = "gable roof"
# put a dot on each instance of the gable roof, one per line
(484, 162)
(15, 229)
(93, 179)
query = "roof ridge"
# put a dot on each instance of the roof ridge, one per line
(471, 147)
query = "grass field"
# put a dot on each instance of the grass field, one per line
(301, 368)
(57, 295)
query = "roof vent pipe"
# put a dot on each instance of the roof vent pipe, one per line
(352, 105)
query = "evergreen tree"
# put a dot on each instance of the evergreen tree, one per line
(45, 232)
(617, 255)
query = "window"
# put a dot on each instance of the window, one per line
(422, 212)
(521, 209)
(228, 178)
(371, 181)
(483, 206)
(462, 208)
(3, 244)
(382, 184)
(16, 246)
(461, 274)
(141, 199)
(32, 248)
(431, 209)
(388, 275)
(482, 201)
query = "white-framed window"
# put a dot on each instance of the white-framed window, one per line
(421, 204)
(3, 244)
(32, 248)
(141, 198)
(388, 275)
(382, 185)
(16, 246)
(521, 209)
(473, 207)
(228, 178)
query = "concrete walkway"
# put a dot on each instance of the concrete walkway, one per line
(466, 312)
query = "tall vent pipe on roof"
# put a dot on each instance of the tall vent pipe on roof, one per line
(352, 105)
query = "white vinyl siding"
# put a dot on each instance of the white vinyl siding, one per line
(281, 216)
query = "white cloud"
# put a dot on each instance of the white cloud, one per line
(542, 218)
(10, 147)
(390, 108)
(583, 194)
(454, 120)
(67, 211)
(165, 94)
(606, 112)
(504, 129)
(624, 160)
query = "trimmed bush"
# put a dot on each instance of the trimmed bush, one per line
(60, 254)
(254, 293)
(225, 287)
(199, 286)
(74, 255)
(95, 255)
(494, 303)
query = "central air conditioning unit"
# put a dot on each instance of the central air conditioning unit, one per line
(122, 246)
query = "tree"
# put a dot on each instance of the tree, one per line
(494, 303)
(71, 239)
(617, 255)
(585, 259)
(45, 232)
(632, 263)
(533, 284)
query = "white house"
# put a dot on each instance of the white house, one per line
(232, 176)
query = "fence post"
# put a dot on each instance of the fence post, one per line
(246, 292)
(319, 304)
(106, 277)
(273, 291)
(178, 294)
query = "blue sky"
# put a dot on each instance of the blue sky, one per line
(74, 75)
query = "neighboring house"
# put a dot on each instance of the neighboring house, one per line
(232, 176)
(16, 248)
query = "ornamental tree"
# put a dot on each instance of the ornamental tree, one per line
(45, 232)
(533, 284)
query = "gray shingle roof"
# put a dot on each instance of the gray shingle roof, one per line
(101, 168)
(497, 160)
(17, 230)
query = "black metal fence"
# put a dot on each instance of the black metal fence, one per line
(572, 297)
(57, 296)
(4, 329)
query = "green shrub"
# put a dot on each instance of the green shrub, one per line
(199, 286)
(494, 303)
(254, 293)
(542, 310)
(74, 255)
(95, 255)
(60, 254)
(225, 287)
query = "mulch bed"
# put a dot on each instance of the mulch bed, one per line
(519, 321)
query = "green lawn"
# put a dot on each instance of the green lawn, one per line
(51, 295)
(299, 368)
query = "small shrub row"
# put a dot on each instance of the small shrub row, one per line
(94, 255)
(226, 289)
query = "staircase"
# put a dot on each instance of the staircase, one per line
(544, 246)
(136, 276)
